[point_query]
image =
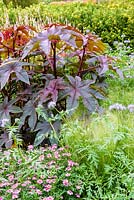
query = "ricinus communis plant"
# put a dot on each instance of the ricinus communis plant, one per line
(58, 66)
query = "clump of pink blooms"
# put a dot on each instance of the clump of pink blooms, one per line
(45, 174)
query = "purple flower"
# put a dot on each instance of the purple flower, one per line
(131, 108)
(32, 187)
(51, 105)
(50, 181)
(56, 155)
(61, 149)
(34, 178)
(66, 154)
(67, 174)
(48, 198)
(38, 192)
(117, 106)
(54, 146)
(48, 187)
(23, 184)
(15, 186)
(41, 158)
(9, 191)
(16, 192)
(39, 181)
(19, 161)
(77, 195)
(65, 182)
(71, 163)
(7, 153)
(49, 155)
(3, 122)
(11, 178)
(126, 41)
(78, 187)
(30, 147)
(14, 196)
(68, 169)
(69, 192)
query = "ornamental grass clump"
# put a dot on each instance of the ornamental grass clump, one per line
(45, 173)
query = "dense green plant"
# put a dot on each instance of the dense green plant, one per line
(22, 3)
(104, 147)
(120, 91)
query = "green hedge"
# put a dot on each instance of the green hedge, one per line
(109, 20)
(22, 3)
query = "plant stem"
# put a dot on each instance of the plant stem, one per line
(14, 41)
(81, 62)
(54, 59)
(54, 131)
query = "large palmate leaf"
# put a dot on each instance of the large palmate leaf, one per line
(64, 36)
(4, 140)
(78, 88)
(97, 92)
(44, 129)
(100, 64)
(106, 63)
(51, 91)
(7, 107)
(13, 66)
(30, 113)
(94, 44)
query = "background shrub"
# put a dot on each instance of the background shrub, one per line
(110, 20)
(21, 3)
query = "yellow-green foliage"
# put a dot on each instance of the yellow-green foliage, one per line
(109, 19)
(108, 133)
(21, 3)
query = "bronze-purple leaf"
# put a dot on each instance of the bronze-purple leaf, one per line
(7, 107)
(29, 111)
(78, 88)
(44, 129)
(4, 140)
(51, 91)
(13, 66)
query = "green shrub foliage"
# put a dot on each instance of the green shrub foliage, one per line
(109, 20)
(21, 3)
